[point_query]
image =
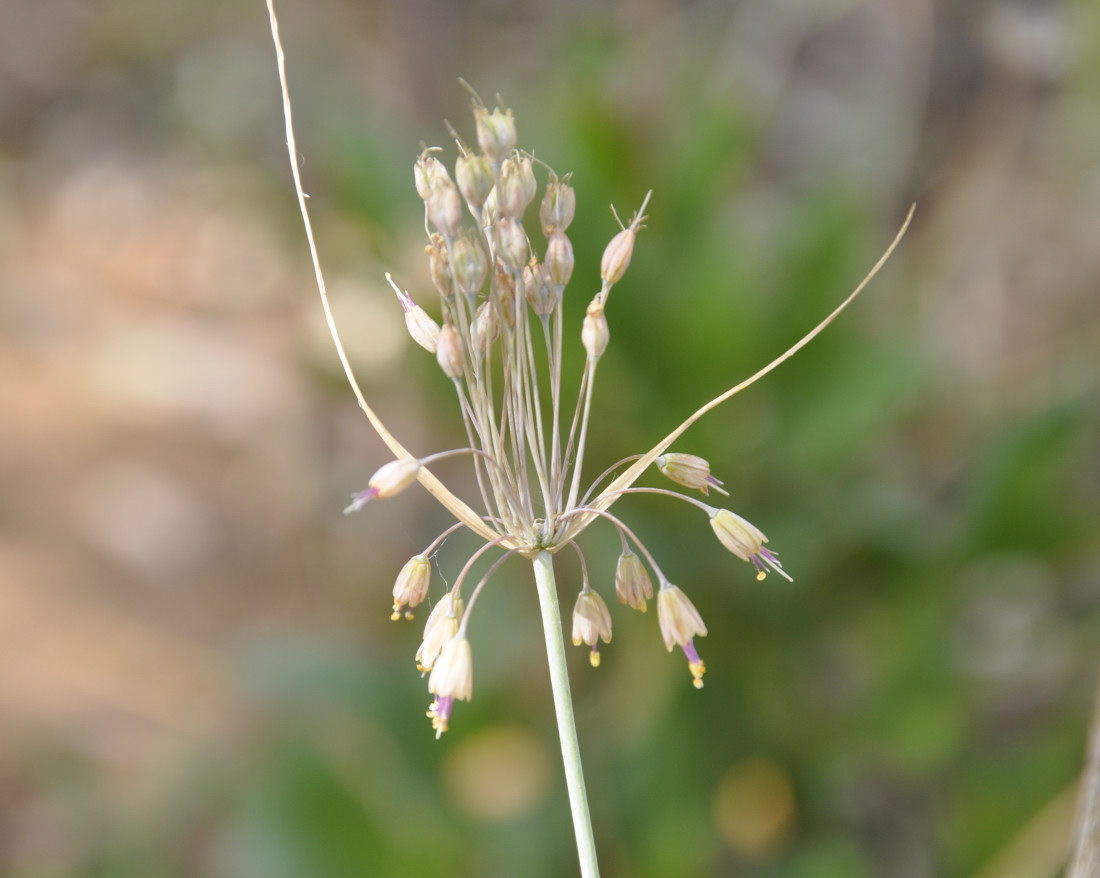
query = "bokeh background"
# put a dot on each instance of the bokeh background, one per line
(198, 673)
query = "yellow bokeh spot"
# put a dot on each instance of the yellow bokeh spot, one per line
(500, 774)
(754, 808)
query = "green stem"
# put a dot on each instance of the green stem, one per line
(563, 706)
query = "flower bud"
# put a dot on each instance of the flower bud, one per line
(616, 256)
(441, 626)
(428, 172)
(392, 478)
(496, 132)
(474, 175)
(557, 207)
(594, 332)
(439, 266)
(486, 328)
(688, 470)
(559, 258)
(517, 186)
(680, 622)
(746, 541)
(422, 328)
(469, 263)
(504, 285)
(512, 247)
(412, 586)
(449, 351)
(632, 583)
(591, 622)
(542, 295)
(452, 674)
(445, 208)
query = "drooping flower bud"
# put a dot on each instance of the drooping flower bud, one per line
(439, 266)
(474, 175)
(559, 258)
(746, 541)
(542, 295)
(632, 582)
(688, 470)
(469, 263)
(451, 679)
(616, 256)
(392, 478)
(445, 208)
(680, 622)
(512, 244)
(594, 332)
(449, 351)
(412, 586)
(441, 626)
(591, 622)
(557, 207)
(428, 172)
(496, 132)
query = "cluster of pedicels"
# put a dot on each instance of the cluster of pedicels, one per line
(500, 341)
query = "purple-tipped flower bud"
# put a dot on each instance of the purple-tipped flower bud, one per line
(469, 263)
(591, 623)
(449, 352)
(616, 256)
(496, 132)
(512, 244)
(474, 175)
(412, 586)
(392, 478)
(422, 328)
(439, 266)
(594, 333)
(452, 679)
(557, 207)
(542, 295)
(445, 208)
(746, 541)
(680, 622)
(517, 186)
(689, 470)
(632, 583)
(428, 172)
(559, 258)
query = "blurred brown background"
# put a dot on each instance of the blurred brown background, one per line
(198, 675)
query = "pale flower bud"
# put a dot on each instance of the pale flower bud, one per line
(591, 622)
(746, 541)
(441, 626)
(449, 351)
(424, 330)
(469, 263)
(680, 622)
(445, 208)
(452, 674)
(594, 332)
(392, 478)
(516, 187)
(486, 328)
(616, 256)
(496, 132)
(542, 295)
(688, 470)
(474, 175)
(559, 258)
(512, 244)
(412, 586)
(557, 207)
(504, 284)
(439, 266)
(428, 172)
(632, 582)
